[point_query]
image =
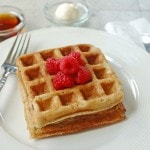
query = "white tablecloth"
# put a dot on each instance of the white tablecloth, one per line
(105, 11)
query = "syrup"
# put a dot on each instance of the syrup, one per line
(8, 21)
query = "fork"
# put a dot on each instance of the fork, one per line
(146, 41)
(19, 47)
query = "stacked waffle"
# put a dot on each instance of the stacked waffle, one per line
(50, 112)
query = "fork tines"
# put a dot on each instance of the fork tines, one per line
(19, 47)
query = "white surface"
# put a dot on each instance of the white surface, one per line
(130, 63)
(106, 11)
(131, 31)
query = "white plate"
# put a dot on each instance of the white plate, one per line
(132, 67)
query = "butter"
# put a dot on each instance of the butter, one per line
(67, 11)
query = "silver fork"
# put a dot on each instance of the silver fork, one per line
(146, 42)
(19, 47)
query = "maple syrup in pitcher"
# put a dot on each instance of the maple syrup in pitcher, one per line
(8, 21)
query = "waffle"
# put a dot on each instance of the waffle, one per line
(51, 112)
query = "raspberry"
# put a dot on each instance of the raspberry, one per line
(83, 76)
(77, 56)
(52, 66)
(61, 81)
(69, 65)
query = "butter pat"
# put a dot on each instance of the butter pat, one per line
(67, 11)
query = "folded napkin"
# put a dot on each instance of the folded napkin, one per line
(131, 31)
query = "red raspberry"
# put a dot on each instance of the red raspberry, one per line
(52, 66)
(69, 65)
(83, 76)
(77, 56)
(61, 81)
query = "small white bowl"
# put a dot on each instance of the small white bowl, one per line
(81, 5)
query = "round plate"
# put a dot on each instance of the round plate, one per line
(128, 61)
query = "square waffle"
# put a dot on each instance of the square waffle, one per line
(50, 112)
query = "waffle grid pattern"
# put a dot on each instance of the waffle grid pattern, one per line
(50, 106)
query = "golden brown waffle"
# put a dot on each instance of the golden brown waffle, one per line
(47, 110)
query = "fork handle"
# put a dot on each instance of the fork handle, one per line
(3, 80)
